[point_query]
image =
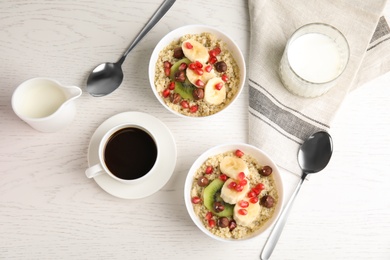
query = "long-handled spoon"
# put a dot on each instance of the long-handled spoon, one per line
(107, 77)
(313, 156)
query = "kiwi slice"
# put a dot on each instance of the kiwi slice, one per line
(184, 89)
(212, 194)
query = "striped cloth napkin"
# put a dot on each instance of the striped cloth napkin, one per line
(278, 120)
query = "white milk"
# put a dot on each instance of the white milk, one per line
(315, 57)
(41, 101)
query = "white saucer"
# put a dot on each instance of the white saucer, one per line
(161, 173)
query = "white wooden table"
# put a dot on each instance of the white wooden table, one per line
(50, 210)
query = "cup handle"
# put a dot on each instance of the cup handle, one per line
(94, 171)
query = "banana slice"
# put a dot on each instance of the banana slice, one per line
(212, 94)
(232, 166)
(193, 76)
(245, 216)
(194, 50)
(231, 195)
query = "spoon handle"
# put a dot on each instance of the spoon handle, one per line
(280, 223)
(160, 12)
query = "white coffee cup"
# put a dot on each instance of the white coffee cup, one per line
(127, 153)
(45, 104)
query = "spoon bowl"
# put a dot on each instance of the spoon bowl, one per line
(107, 77)
(104, 79)
(315, 152)
(313, 156)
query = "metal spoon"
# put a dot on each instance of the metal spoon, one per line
(107, 77)
(313, 156)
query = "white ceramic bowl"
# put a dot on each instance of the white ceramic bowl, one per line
(196, 29)
(261, 157)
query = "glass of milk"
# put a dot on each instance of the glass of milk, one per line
(314, 58)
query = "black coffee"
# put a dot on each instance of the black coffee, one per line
(130, 153)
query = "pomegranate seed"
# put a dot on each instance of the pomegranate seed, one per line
(214, 52)
(223, 177)
(188, 45)
(242, 212)
(225, 78)
(195, 200)
(217, 50)
(183, 66)
(198, 64)
(239, 188)
(232, 185)
(251, 194)
(209, 215)
(184, 104)
(193, 109)
(199, 83)
(211, 223)
(256, 191)
(260, 187)
(243, 204)
(241, 176)
(208, 68)
(243, 182)
(219, 85)
(192, 66)
(212, 60)
(239, 153)
(171, 85)
(167, 71)
(167, 64)
(209, 170)
(199, 71)
(254, 200)
(166, 92)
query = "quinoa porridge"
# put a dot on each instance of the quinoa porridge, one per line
(196, 75)
(233, 195)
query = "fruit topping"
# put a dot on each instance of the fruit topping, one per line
(267, 201)
(209, 169)
(195, 200)
(212, 194)
(213, 95)
(220, 66)
(232, 192)
(223, 177)
(223, 222)
(194, 50)
(233, 166)
(239, 153)
(218, 206)
(203, 181)
(266, 170)
(193, 108)
(246, 215)
(178, 53)
(232, 225)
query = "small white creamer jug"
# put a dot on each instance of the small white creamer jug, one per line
(45, 104)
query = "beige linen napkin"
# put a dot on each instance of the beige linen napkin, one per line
(280, 121)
